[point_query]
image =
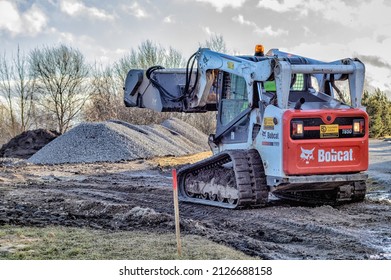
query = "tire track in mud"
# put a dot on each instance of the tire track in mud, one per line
(66, 203)
(143, 200)
(280, 232)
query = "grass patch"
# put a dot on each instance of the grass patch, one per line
(64, 243)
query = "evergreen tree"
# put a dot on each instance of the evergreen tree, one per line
(379, 111)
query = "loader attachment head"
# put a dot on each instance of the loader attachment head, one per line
(132, 83)
(175, 89)
(156, 88)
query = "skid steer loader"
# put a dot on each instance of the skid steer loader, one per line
(281, 127)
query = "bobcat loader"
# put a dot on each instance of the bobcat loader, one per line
(281, 127)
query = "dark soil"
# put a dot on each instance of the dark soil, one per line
(138, 195)
(27, 143)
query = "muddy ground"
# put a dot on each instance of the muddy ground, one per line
(137, 195)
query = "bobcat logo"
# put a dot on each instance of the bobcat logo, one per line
(307, 155)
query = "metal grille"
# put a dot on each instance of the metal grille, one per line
(299, 83)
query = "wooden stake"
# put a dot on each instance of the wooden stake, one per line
(176, 210)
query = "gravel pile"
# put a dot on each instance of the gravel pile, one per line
(187, 131)
(114, 141)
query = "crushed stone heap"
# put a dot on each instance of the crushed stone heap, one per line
(114, 141)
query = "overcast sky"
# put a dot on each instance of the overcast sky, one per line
(106, 30)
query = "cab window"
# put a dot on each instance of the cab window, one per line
(234, 97)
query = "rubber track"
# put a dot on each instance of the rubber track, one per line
(249, 177)
(351, 192)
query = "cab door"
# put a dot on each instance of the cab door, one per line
(233, 113)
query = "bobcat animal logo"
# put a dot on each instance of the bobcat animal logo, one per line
(307, 155)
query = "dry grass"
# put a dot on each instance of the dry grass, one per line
(63, 243)
(167, 162)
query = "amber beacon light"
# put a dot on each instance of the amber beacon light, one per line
(259, 50)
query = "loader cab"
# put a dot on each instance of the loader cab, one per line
(233, 105)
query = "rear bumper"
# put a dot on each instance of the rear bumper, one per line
(313, 182)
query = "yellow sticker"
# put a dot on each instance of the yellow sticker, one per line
(268, 123)
(329, 130)
(230, 65)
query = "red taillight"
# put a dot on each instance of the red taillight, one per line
(297, 129)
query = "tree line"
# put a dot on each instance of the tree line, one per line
(54, 88)
(378, 107)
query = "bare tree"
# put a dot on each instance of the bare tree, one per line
(105, 101)
(146, 55)
(173, 59)
(216, 43)
(24, 88)
(5, 134)
(17, 89)
(60, 75)
(6, 89)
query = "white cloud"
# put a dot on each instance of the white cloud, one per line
(136, 10)
(278, 6)
(221, 4)
(30, 22)
(374, 13)
(337, 11)
(35, 20)
(78, 8)
(307, 31)
(268, 30)
(240, 19)
(71, 7)
(169, 19)
(207, 30)
(378, 76)
(321, 51)
(9, 17)
(73, 39)
(66, 37)
(353, 16)
(90, 46)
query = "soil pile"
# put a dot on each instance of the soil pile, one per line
(27, 143)
(115, 141)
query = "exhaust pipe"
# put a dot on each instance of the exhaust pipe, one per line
(299, 103)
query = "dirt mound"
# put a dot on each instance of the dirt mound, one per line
(115, 141)
(27, 143)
